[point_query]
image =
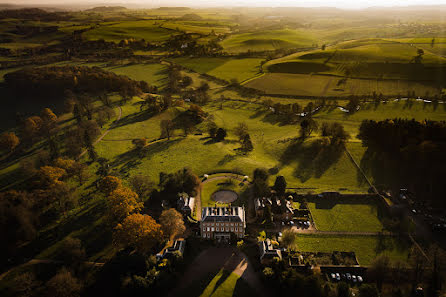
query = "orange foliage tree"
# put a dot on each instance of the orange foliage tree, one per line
(121, 203)
(139, 231)
(8, 141)
(172, 223)
(109, 183)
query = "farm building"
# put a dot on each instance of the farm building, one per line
(185, 204)
(220, 222)
(268, 252)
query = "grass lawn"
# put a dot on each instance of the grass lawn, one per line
(224, 68)
(216, 185)
(220, 284)
(366, 248)
(345, 214)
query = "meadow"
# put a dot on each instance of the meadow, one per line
(345, 214)
(366, 248)
(116, 31)
(335, 86)
(224, 68)
(268, 40)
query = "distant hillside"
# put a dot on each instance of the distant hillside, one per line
(32, 14)
(107, 9)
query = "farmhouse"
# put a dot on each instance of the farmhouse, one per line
(281, 212)
(220, 222)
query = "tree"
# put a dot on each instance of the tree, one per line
(8, 141)
(241, 130)
(63, 284)
(220, 135)
(25, 284)
(172, 223)
(260, 183)
(139, 231)
(368, 290)
(142, 185)
(307, 126)
(379, 270)
(280, 185)
(166, 128)
(139, 143)
(71, 252)
(49, 118)
(343, 290)
(335, 132)
(80, 172)
(109, 183)
(288, 238)
(31, 128)
(50, 175)
(121, 203)
(247, 144)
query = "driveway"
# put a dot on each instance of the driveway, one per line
(216, 258)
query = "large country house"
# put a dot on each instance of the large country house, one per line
(220, 222)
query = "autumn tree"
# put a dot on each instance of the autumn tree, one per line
(8, 141)
(109, 183)
(25, 284)
(63, 284)
(121, 203)
(172, 223)
(142, 185)
(49, 119)
(31, 128)
(139, 231)
(50, 175)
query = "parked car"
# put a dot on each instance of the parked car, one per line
(354, 278)
(338, 277)
(333, 276)
(360, 280)
(349, 276)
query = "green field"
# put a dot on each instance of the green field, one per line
(200, 27)
(345, 214)
(224, 68)
(367, 66)
(366, 248)
(153, 74)
(267, 40)
(327, 85)
(216, 185)
(117, 31)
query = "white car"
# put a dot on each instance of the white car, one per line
(338, 277)
(333, 276)
(360, 279)
(354, 278)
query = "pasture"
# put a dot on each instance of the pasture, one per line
(223, 68)
(116, 31)
(366, 248)
(336, 86)
(345, 214)
(267, 40)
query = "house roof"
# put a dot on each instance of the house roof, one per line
(223, 214)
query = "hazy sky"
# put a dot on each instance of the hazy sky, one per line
(352, 4)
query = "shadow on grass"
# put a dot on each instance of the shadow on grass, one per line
(313, 158)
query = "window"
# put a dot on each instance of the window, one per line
(236, 229)
(232, 229)
(212, 229)
(227, 229)
(209, 229)
(209, 235)
(204, 235)
(218, 229)
(204, 229)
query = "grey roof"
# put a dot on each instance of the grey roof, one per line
(223, 214)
